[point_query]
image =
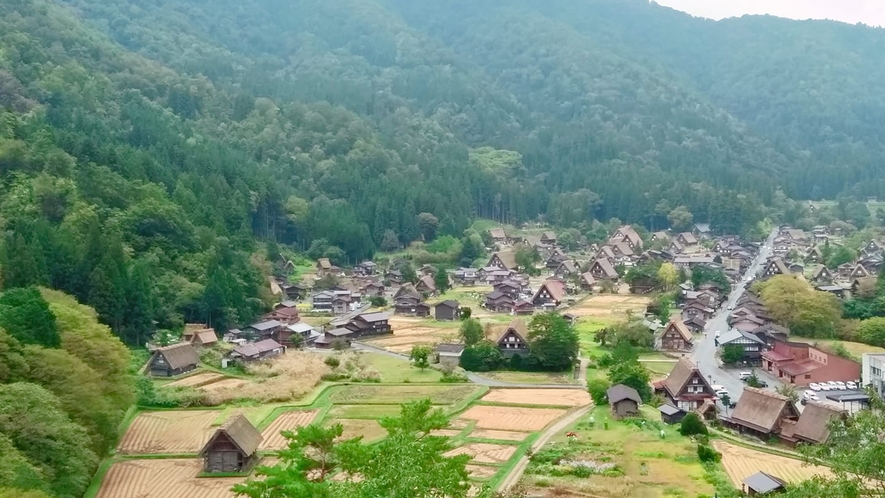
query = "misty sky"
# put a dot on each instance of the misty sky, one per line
(870, 12)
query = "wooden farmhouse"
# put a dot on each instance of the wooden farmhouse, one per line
(174, 360)
(686, 388)
(513, 340)
(624, 400)
(676, 337)
(447, 310)
(233, 447)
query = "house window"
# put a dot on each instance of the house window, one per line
(807, 376)
(161, 360)
(876, 371)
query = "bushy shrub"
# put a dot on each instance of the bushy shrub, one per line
(706, 453)
(692, 424)
(597, 389)
(332, 361)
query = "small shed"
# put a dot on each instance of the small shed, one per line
(449, 354)
(258, 351)
(761, 483)
(670, 414)
(233, 447)
(174, 360)
(447, 310)
(422, 310)
(624, 400)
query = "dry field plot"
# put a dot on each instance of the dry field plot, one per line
(408, 332)
(225, 384)
(508, 418)
(439, 395)
(288, 421)
(481, 471)
(613, 305)
(171, 478)
(370, 430)
(741, 463)
(196, 380)
(500, 435)
(485, 452)
(547, 397)
(180, 431)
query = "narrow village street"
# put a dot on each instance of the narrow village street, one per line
(704, 353)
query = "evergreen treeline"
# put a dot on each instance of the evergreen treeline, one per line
(147, 145)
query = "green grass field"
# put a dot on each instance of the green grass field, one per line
(647, 464)
(395, 370)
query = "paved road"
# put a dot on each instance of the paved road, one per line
(479, 379)
(704, 353)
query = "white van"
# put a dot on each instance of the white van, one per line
(720, 391)
(745, 375)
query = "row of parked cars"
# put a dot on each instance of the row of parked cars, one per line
(837, 385)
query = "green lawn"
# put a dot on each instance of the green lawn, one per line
(647, 465)
(661, 368)
(396, 370)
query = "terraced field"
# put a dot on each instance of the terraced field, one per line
(169, 478)
(289, 421)
(548, 397)
(180, 431)
(740, 463)
(510, 418)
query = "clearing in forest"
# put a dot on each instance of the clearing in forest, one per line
(163, 478)
(289, 421)
(511, 418)
(740, 463)
(547, 397)
(174, 431)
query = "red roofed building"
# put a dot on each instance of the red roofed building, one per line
(802, 364)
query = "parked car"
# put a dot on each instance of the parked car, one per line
(811, 396)
(745, 375)
(824, 386)
(851, 385)
(814, 386)
(833, 386)
(840, 385)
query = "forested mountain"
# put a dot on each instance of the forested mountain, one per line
(150, 147)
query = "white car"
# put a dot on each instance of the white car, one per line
(824, 386)
(851, 385)
(840, 385)
(814, 386)
(833, 385)
(810, 396)
(744, 375)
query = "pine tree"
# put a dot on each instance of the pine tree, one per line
(139, 305)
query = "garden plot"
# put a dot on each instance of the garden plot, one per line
(507, 418)
(178, 431)
(500, 435)
(740, 463)
(365, 394)
(408, 332)
(610, 305)
(548, 397)
(163, 478)
(485, 452)
(370, 430)
(198, 380)
(289, 421)
(481, 471)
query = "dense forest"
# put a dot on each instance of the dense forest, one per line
(155, 154)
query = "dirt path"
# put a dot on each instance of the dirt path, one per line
(545, 436)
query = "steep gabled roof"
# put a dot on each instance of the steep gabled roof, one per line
(678, 326)
(761, 410)
(680, 374)
(407, 290)
(606, 268)
(555, 288)
(518, 327)
(620, 392)
(240, 432)
(179, 355)
(813, 425)
(508, 259)
(497, 233)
